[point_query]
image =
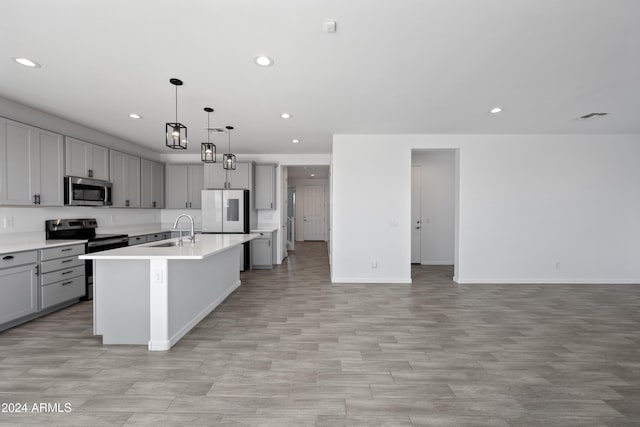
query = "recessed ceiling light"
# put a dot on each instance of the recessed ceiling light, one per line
(295, 141)
(135, 116)
(495, 110)
(26, 62)
(312, 175)
(285, 115)
(263, 61)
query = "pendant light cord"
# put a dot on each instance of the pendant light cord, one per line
(176, 103)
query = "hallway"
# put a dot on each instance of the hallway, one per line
(287, 348)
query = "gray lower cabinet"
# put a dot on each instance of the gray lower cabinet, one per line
(18, 285)
(261, 252)
(62, 275)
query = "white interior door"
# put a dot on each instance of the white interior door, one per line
(314, 213)
(416, 214)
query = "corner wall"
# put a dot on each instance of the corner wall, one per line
(532, 208)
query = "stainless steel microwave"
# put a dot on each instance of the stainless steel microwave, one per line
(86, 191)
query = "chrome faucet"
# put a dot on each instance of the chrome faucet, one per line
(192, 234)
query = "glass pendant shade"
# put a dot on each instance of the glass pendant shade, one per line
(208, 152)
(208, 149)
(177, 136)
(229, 160)
(176, 132)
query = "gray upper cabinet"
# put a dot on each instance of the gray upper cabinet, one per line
(240, 179)
(184, 184)
(265, 188)
(124, 171)
(31, 165)
(86, 160)
(151, 184)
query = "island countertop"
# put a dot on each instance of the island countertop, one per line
(206, 245)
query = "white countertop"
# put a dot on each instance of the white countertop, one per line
(205, 246)
(265, 228)
(34, 244)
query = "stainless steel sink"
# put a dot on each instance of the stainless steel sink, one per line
(163, 245)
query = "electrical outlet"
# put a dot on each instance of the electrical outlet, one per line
(112, 218)
(8, 222)
(374, 264)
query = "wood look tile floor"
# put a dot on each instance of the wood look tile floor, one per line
(290, 349)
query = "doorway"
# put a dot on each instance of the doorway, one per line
(309, 187)
(434, 204)
(291, 218)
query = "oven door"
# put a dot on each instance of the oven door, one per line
(97, 246)
(86, 192)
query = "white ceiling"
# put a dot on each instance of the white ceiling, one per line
(410, 66)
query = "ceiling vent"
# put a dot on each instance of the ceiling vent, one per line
(591, 116)
(216, 130)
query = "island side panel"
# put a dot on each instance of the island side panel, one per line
(196, 287)
(121, 301)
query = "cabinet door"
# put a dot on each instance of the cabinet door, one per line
(132, 180)
(118, 180)
(176, 194)
(239, 178)
(146, 197)
(76, 158)
(157, 184)
(17, 186)
(261, 253)
(19, 290)
(265, 188)
(98, 161)
(195, 185)
(214, 176)
(51, 167)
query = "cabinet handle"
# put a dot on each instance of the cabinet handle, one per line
(186, 204)
(67, 260)
(189, 204)
(271, 204)
(67, 283)
(8, 257)
(154, 204)
(90, 173)
(66, 249)
(126, 203)
(35, 199)
(37, 270)
(67, 272)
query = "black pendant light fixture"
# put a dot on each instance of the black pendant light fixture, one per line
(208, 149)
(176, 132)
(229, 160)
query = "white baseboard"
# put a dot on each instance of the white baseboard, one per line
(472, 281)
(377, 280)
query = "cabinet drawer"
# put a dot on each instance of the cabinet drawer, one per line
(60, 263)
(66, 274)
(155, 237)
(62, 291)
(136, 240)
(18, 258)
(62, 251)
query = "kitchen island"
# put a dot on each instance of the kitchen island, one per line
(155, 293)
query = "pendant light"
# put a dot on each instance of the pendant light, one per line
(176, 132)
(208, 149)
(229, 160)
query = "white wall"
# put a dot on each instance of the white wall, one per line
(438, 205)
(532, 208)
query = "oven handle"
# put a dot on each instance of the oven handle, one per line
(100, 243)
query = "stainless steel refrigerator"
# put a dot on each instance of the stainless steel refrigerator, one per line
(228, 212)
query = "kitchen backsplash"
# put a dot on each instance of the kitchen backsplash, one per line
(21, 220)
